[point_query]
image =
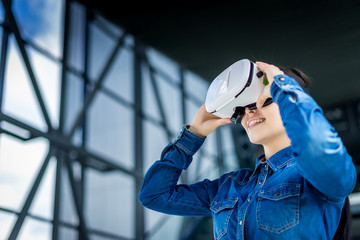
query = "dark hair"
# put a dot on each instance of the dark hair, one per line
(343, 230)
(299, 76)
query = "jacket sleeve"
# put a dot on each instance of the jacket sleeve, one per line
(160, 190)
(319, 152)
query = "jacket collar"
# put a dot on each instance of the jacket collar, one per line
(276, 161)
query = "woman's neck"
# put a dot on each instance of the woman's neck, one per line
(275, 146)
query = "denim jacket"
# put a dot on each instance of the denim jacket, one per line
(298, 193)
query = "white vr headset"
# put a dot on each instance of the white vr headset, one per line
(237, 86)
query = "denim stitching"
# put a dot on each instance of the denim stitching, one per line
(282, 228)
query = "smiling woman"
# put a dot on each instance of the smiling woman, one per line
(303, 177)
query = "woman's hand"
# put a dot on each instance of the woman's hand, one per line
(205, 123)
(270, 71)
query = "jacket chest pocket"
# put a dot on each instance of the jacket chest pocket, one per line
(277, 209)
(221, 212)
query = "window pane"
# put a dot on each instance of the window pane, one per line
(155, 142)
(35, 230)
(110, 202)
(67, 233)
(164, 64)
(195, 86)
(40, 22)
(101, 47)
(171, 100)
(119, 79)
(74, 100)
(110, 130)
(77, 36)
(150, 106)
(68, 211)
(7, 221)
(47, 74)
(20, 99)
(231, 162)
(43, 202)
(20, 162)
(170, 229)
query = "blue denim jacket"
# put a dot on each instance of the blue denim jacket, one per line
(298, 193)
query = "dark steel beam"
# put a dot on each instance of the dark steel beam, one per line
(57, 196)
(76, 194)
(3, 56)
(20, 42)
(138, 140)
(62, 143)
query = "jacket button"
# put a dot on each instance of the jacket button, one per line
(260, 182)
(241, 222)
(281, 78)
(277, 193)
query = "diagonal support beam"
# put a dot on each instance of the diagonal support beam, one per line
(77, 197)
(21, 45)
(97, 86)
(24, 211)
(158, 98)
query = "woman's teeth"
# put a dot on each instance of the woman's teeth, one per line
(252, 122)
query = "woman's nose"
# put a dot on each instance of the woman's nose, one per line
(247, 110)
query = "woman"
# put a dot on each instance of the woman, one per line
(298, 187)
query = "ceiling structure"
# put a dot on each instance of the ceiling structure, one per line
(322, 38)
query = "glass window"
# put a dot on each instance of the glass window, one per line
(43, 202)
(68, 212)
(74, 100)
(109, 27)
(40, 22)
(101, 47)
(150, 106)
(171, 101)
(120, 77)
(77, 36)
(168, 229)
(19, 165)
(195, 86)
(47, 74)
(68, 233)
(155, 141)
(2, 10)
(110, 202)
(20, 100)
(110, 130)
(163, 64)
(35, 230)
(228, 149)
(7, 221)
